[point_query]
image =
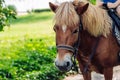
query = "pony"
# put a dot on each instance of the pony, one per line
(90, 28)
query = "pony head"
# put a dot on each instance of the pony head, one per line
(66, 29)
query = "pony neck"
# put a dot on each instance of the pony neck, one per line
(87, 41)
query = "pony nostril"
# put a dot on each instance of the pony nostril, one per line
(67, 64)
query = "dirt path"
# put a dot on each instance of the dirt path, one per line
(96, 76)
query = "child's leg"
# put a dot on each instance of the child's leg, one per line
(118, 10)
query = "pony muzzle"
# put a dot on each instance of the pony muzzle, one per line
(64, 64)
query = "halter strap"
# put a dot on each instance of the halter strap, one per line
(66, 47)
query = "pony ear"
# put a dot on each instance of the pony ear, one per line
(82, 9)
(53, 7)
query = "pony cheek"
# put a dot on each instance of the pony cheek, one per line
(73, 39)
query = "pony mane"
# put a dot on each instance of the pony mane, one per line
(66, 15)
(96, 21)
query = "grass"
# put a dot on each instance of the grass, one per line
(27, 49)
(35, 25)
(33, 17)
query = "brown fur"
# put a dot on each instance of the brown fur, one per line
(96, 24)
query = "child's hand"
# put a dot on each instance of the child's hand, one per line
(111, 5)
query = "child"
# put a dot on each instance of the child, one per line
(111, 4)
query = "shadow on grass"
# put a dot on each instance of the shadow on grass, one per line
(32, 17)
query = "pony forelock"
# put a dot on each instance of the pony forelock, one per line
(66, 15)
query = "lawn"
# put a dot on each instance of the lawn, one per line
(31, 26)
(27, 49)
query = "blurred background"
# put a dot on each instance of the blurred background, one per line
(27, 40)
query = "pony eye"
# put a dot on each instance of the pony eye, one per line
(75, 31)
(54, 29)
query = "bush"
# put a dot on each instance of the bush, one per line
(5, 15)
(34, 61)
(47, 72)
(12, 7)
(5, 74)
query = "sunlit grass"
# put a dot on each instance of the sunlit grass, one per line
(31, 26)
(27, 48)
(33, 17)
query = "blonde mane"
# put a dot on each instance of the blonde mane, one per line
(95, 20)
(66, 15)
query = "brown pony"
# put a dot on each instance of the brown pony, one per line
(96, 30)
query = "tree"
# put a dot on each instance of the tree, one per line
(5, 15)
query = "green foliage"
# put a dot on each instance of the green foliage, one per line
(5, 74)
(12, 7)
(34, 60)
(27, 52)
(5, 15)
(93, 1)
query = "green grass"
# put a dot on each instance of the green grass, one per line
(27, 49)
(35, 25)
(31, 25)
(34, 17)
